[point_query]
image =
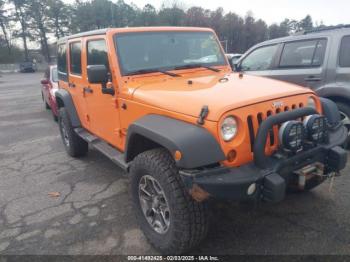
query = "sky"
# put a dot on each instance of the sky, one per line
(330, 12)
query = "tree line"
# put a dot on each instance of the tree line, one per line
(42, 20)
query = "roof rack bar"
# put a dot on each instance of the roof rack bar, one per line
(87, 33)
(326, 28)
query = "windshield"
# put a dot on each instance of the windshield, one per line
(54, 74)
(167, 50)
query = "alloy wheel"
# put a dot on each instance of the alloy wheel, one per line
(64, 133)
(154, 204)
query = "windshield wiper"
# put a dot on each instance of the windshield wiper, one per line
(154, 70)
(195, 66)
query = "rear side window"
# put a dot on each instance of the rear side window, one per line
(62, 59)
(344, 54)
(308, 53)
(75, 58)
(259, 59)
(97, 53)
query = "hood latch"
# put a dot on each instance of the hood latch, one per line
(202, 115)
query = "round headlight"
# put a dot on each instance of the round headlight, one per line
(291, 135)
(311, 102)
(316, 127)
(228, 128)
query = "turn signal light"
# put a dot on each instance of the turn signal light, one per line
(231, 156)
(177, 155)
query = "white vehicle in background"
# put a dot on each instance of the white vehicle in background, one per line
(233, 58)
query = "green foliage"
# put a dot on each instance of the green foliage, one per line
(306, 24)
(15, 56)
(59, 15)
(40, 20)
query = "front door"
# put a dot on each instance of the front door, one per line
(76, 80)
(301, 62)
(103, 111)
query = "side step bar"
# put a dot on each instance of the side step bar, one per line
(115, 155)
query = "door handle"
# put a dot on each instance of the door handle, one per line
(87, 90)
(71, 85)
(312, 79)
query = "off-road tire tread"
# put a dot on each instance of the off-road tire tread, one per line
(191, 223)
(78, 147)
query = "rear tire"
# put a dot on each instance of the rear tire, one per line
(187, 219)
(74, 145)
(344, 110)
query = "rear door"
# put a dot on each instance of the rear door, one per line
(76, 80)
(302, 62)
(343, 67)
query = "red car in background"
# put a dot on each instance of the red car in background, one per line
(49, 85)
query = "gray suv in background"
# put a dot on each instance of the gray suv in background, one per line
(318, 59)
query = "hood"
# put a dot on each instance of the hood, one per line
(220, 92)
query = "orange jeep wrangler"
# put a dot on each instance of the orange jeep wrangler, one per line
(164, 105)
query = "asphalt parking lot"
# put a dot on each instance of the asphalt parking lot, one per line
(53, 204)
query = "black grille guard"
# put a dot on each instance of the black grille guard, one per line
(260, 159)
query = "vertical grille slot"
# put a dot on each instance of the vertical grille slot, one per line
(260, 118)
(271, 133)
(251, 132)
(300, 106)
(255, 121)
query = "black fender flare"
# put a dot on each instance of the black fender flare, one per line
(63, 96)
(333, 91)
(197, 146)
(331, 111)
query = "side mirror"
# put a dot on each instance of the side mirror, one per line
(236, 67)
(97, 74)
(44, 82)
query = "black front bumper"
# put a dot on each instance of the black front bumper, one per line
(272, 177)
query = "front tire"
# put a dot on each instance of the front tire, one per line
(170, 219)
(74, 145)
(344, 110)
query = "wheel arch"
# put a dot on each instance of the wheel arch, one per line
(336, 98)
(196, 145)
(137, 144)
(64, 99)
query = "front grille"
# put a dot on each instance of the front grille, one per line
(254, 122)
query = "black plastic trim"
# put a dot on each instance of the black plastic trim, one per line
(112, 153)
(197, 146)
(260, 158)
(233, 183)
(67, 100)
(330, 110)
